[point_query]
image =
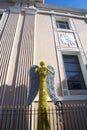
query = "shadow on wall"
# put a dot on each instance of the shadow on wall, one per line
(13, 114)
(86, 66)
(13, 96)
(17, 95)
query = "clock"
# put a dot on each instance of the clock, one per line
(67, 38)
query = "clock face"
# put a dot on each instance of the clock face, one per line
(67, 39)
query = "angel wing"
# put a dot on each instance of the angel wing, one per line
(50, 85)
(34, 85)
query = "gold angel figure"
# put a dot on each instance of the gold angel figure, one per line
(42, 80)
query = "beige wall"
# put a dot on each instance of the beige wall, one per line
(45, 44)
(81, 28)
(17, 43)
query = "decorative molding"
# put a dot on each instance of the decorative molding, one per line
(2, 10)
(3, 20)
(39, 1)
(67, 39)
(86, 15)
(15, 10)
(31, 10)
(28, 10)
(61, 14)
(74, 97)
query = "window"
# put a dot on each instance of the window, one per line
(62, 25)
(73, 72)
(0, 16)
(85, 20)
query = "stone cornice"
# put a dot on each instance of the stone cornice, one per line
(30, 10)
(61, 14)
(39, 1)
(48, 7)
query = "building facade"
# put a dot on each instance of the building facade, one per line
(29, 33)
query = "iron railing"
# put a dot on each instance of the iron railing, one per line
(68, 117)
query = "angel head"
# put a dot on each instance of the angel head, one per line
(42, 63)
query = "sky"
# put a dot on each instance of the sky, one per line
(82, 4)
